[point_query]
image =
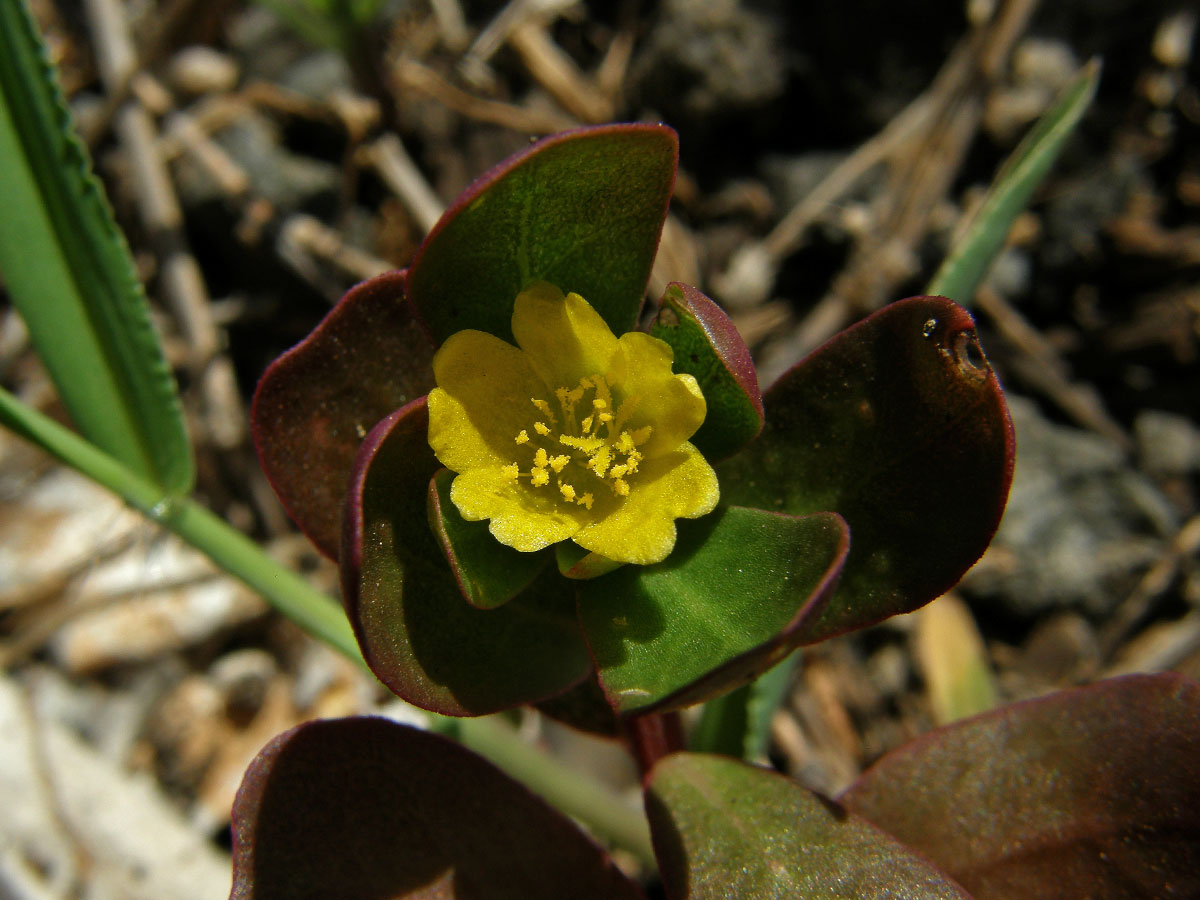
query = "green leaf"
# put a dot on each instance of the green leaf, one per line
(724, 829)
(1093, 792)
(67, 268)
(899, 425)
(418, 634)
(369, 809)
(582, 210)
(488, 573)
(708, 346)
(316, 403)
(968, 261)
(721, 609)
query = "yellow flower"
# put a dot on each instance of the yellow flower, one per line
(573, 434)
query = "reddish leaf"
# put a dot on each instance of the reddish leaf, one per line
(899, 425)
(371, 810)
(708, 346)
(582, 210)
(316, 403)
(417, 632)
(724, 829)
(1090, 793)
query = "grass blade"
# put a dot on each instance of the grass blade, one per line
(67, 268)
(968, 261)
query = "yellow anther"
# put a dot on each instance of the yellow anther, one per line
(523, 437)
(640, 435)
(587, 425)
(599, 403)
(621, 488)
(617, 471)
(586, 500)
(541, 459)
(568, 492)
(541, 428)
(625, 442)
(588, 443)
(600, 461)
(511, 471)
(558, 463)
(539, 477)
(605, 418)
(543, 407)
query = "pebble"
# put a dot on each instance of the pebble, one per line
(200, 70)
(1168, 445)
(1080, 525)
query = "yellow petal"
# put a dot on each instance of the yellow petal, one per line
(672, 405)
(519, 519)
(641, 530)
(564, 337)
(481, 402)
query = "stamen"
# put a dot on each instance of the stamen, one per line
(511, 471)
(593, 444)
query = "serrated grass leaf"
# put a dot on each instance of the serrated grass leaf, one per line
(67, 268)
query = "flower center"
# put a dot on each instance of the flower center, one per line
(581, 453)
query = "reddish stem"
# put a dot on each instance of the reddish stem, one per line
(653, 736)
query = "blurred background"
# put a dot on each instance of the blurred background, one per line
(264, 156)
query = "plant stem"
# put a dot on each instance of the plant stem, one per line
(585, 799)
(571, 791)
(653, 736)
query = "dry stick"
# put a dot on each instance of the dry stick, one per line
(320, 242)
(182, 282)
(1153, 584)
(413, 76)
(451, 24)
(392, 163)
(610, 74)
(554, 70)
(923, 179)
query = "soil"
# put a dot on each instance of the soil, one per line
(299, 169)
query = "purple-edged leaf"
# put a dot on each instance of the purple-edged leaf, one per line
(708, 346)
(584, 707)
(723, 829)
(582, 210)
(371, 810)
(488, 573)
(899, 425)
(1093, 792)
(418, 634)
(721, 609)
(316, 403)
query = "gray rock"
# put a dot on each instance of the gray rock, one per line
(709, 56)
(1168, 444)
(1080, 527)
